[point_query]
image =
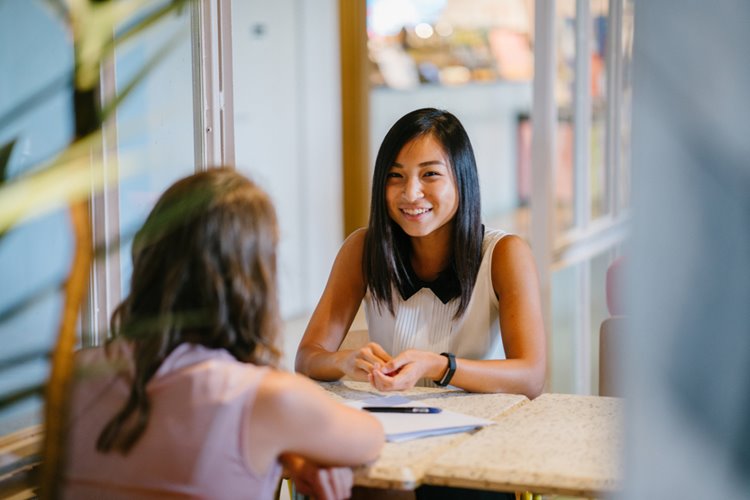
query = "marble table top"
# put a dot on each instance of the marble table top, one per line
(403, 465)
(558, 443)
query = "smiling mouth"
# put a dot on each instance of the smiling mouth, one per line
(415, 211)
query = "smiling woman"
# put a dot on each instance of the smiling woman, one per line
(420, 190)
(447, 301)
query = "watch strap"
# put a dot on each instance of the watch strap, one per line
(448, 375)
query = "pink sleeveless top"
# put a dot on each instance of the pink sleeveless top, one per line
(193, 444)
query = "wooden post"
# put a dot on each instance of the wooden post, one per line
(355, 109)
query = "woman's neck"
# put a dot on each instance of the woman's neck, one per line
(431, 254)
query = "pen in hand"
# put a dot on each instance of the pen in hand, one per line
(402, 409)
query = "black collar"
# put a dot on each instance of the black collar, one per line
(445, 286)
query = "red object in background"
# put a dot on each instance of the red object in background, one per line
(563, 168)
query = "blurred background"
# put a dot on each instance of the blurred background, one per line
(298, 95)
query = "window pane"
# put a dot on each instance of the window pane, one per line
(626, 82)
(564, 190)
(35, 255)
(598, 168)
(154, 125)
(578, 291)
(566, 297)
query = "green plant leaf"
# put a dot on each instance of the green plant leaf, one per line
(141, 75)
(71, 176)
(58, 8)
(15, 397)
(30, 301)
(51, 89)
(94, 25)
(5, 152)
(23, 358)
(144, 23)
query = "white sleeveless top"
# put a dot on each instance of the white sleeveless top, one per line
(423, 322)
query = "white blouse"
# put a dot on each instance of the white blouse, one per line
(423, 322)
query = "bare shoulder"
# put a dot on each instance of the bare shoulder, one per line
(508, 248)
(354, 244)
(349, 258)
(512, 260)
(281, 392)
(358, 235)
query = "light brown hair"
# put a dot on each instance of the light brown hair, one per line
(204, 272)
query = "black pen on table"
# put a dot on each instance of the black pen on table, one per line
(402, 409)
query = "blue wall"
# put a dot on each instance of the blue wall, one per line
(35, 51)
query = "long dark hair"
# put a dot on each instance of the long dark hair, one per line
(387, 247)
(204, 272)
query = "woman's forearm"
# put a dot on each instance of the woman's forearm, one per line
(320, 364)
(515, 376)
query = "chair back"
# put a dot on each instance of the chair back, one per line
(610, 353)
(612, 330)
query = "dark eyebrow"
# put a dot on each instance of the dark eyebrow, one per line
(423, 164)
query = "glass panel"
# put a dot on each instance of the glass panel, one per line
(564, 190)
(35, 255)
(598, 169)
(155, 144)
(566, 297)
(623, 175)
(473, 59)
(569, 300)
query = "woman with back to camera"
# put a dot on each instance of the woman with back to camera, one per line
(446, 300)
(184, 401)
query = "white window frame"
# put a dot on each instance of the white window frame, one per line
(213, 93)
(553, 249)
(213, 129)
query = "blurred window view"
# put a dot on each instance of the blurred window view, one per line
(599, 86)
(35, 111)
(448, 42)
(154, 128)
(591, 180)
(475, 58)
(146, 145)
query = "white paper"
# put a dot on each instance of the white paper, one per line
(407, 426)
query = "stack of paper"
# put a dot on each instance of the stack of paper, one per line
(406, 426)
